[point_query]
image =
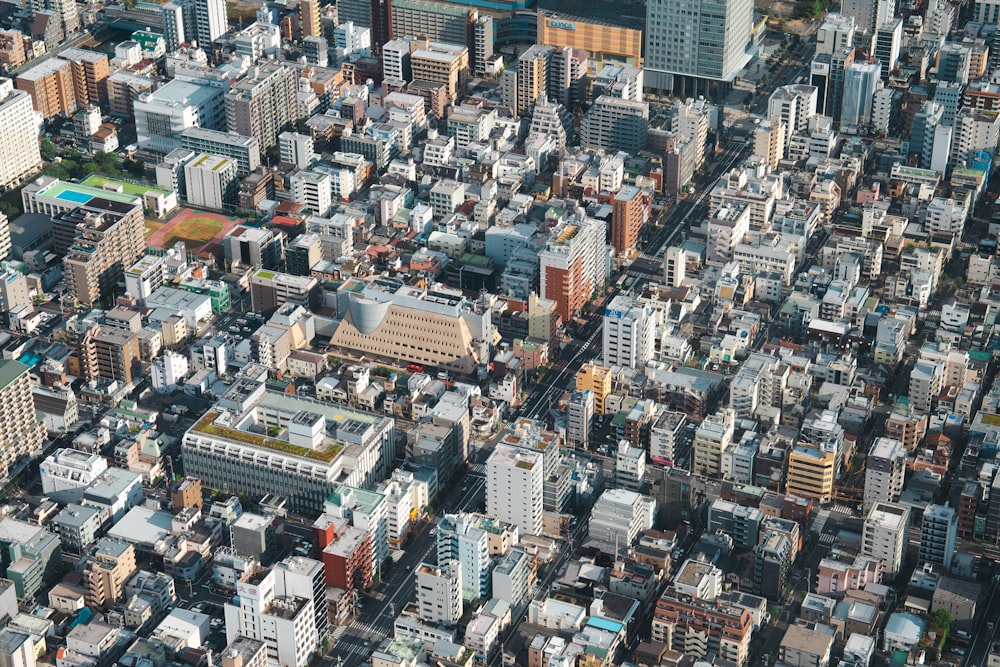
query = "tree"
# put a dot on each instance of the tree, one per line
(941, 619)
(47, 149)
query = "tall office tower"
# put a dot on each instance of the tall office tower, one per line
(173, 25)
(769, 141)
(380, 22)
(839, 63)
(922, 132)
(628, 213)
(21, 432)
(794, 105)
(514, 480)
(953, 63)
(309, 25)
(532, 77)
(579, 417)
(836, 32)
(884, 535)
(888, 39)
(613, 124)
(480, 42)
(211, 22)
(396, 62)
(567, 74)
(885, 468)
(938, 533)
(868, 14)
(674, 266)
(19, 154)
(860, 83)
(696, 46)
(629, 333)
(263, 103)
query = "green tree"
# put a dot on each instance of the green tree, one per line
(941, 619)
(47, 149)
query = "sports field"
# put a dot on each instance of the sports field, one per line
(200, 231)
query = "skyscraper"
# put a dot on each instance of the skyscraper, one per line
(19, 154)
(20, 430)
(868, 14)
(309, 18)
(628, 213)
(860, 82)
(888, 39)
(212, 22)
(696, 46)
(263, 103)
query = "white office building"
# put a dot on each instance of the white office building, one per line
(70, 470)
(885, 469)
(163, 114)
(313, 190)
(618, 517)
(629, 333)
(296, 149)
(168, 371)
(514, 494)
(286, 624)
(211, 181)
(884, 535)
(439, 594)
(19, 153)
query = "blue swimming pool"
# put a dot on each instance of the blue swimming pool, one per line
(75, 197)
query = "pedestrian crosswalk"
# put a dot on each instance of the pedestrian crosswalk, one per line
(842, 509)
(478, 469)
(827, 539)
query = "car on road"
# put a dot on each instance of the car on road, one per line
(434, 531)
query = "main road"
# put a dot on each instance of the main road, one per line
(586, 344)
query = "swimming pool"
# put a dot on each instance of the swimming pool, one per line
(75, 197)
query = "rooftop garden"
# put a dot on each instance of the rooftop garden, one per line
(206, 426)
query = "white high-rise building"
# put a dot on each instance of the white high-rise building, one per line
(313, 190)
(514, 493)
(884, 535)
(975, 130)
(794, 104)
(618, 517)
(297, 149)
(861, 80)
(835, 32)
(579, 416)
(674, 266)
(211, 181)
(938, 533)
(868, 14)
(462, 541)
(212, 22)
(19, 154)
(286, 624)
(693, 44)
(629, 333)
(885, 469)
(439, 593)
